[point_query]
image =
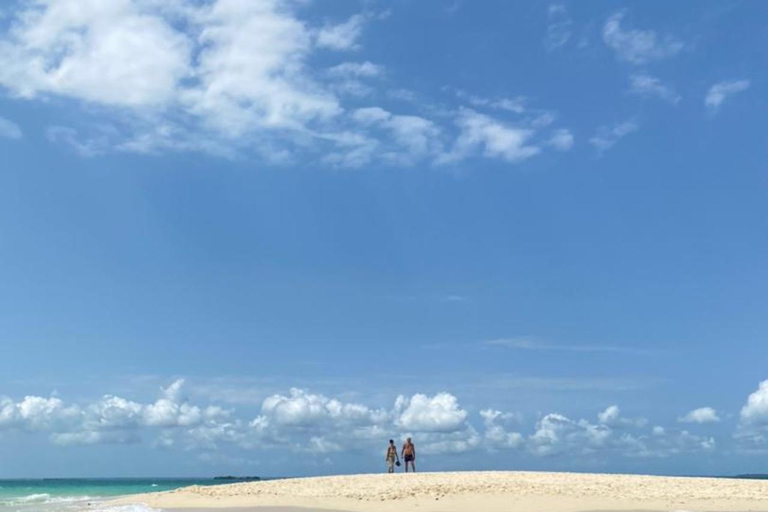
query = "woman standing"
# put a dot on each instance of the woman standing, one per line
(392, 456)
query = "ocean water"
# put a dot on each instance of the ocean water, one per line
(80, 495)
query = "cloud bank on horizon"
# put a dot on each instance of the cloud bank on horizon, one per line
(319, 426)
(306, 422)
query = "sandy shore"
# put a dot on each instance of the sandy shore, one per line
(474, 492)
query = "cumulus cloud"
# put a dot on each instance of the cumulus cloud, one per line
(111, 419)
(36, 413)
(496, 434)
(9, 129)
(318, 425)
(301, 408)
(700, 415)
(755, 411)
(556, 434)
(753, 419)
(103, 52)
(607, 136)
(638, 46)
(421, 413)
(718, 93)
(612, 417)
(651, 87)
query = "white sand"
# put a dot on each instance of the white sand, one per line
(475, 492)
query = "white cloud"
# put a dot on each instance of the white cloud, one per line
(496, 435)
(36, 413)
(252, 71)
(227, 78)
(342, 36)
(612, 417)
(638, 46)
(9, 129)
(492, 138)
(407, 138)
(104, 52)
(301, 408)
(365, 69)
(421, 413)
(562, 139)
(755, 411)
(700, 415)
(111, 419)
(516, 105)
(558, 434)
(607, 136)
(248, 74)
(649, 86)
(718, 93)
(752, 431)
(315, 424)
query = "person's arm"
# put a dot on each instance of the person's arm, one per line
(413, 451)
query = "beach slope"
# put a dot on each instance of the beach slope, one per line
(474, 492)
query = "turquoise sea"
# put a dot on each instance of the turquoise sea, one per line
(75, 495)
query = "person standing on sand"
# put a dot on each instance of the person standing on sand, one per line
(392, 456)
(409, 455)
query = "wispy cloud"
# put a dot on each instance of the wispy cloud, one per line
(530, 343)
(720, 91)
(560, 28)
(638, 46)
(9, 129)
(607, 136)
(482, 134)
(562, 139)
(652, 87)
(342, 36)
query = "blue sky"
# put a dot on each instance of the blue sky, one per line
(264, 238)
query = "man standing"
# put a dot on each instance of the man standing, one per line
(409, 455)
(392, 456)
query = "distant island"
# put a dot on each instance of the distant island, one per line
(238, 478)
